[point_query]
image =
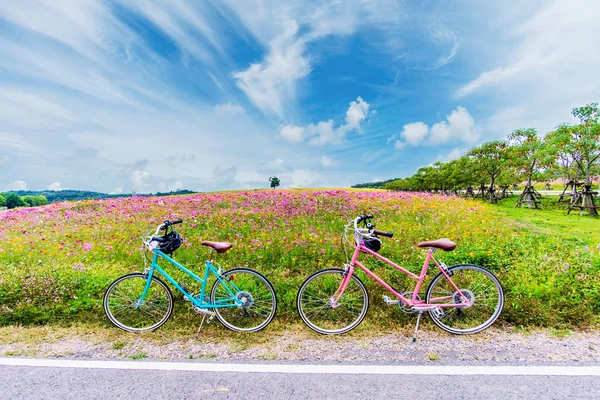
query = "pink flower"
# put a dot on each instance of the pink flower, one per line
(87, 246)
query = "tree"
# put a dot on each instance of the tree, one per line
(490, 160)
(527, 157)
(586, 139)
(274, 182)
(34, 201)
(13, 200)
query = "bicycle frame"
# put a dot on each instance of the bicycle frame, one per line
(413, 302)
(210, 269)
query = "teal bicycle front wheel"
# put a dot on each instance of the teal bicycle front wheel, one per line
(255, 294)
(124, 309)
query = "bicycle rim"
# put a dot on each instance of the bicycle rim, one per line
(314, 302)
(250, 287)
(476, 283)
(122, 308)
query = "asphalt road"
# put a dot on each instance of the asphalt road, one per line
(43, 382)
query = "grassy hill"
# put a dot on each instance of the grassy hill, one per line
(57, 260)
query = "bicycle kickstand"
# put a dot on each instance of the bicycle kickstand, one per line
(202, 323)
(414, 339)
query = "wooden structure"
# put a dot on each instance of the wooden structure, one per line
(505, 191)
(587, 198)
(469, 192)
(481, 191)
(572, 195)
(530, 197)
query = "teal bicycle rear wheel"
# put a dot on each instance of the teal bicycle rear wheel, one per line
(124, 310)
(256, 294)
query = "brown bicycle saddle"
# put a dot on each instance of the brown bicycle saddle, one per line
(220, 247)
(444, 244)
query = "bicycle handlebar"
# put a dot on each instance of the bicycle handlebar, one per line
(365, 217)
(165, 225)
(382, 233)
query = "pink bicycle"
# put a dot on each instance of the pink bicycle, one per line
(460, 299)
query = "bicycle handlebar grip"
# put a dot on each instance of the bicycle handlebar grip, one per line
(382, 233)
(177, 221)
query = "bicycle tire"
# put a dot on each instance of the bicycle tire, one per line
(304, 301)
(457, 319)
(125, 316)
(262, 313)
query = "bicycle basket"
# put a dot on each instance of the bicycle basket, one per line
(372, 243)
(171, 242)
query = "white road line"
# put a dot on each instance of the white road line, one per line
(309, 368)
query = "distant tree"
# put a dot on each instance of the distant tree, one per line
(526, 154)
(13, 200)
(274, 182)
(2, 200)
(375, 184)
(586, 139)
(34, 201)
(490, 161)
(580, 145)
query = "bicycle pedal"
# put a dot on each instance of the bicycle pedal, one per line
(438, 312)
(389, 301)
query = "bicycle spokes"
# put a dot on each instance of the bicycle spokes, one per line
(320, 311)
(473, 307)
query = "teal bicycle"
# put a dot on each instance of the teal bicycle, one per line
(242, 299)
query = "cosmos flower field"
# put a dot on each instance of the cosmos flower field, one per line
(57, 260)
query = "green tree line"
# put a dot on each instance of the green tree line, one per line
(570, 151)
(13, 200)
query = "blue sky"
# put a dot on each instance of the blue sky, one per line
(121, 96)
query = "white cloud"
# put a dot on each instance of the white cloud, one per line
(445, 38)
(328, 162)
(16, 185)
(459, 126)
(55, 186)
(229, 108)
(357, 112)
(184, 24)
(414, 133)
(274, 166)
(117, 190)
(399, 145)
(138, 179)
(292, 133)
(271, 84)
(325, 132)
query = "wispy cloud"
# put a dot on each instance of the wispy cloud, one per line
(541, 71)
(271, 84)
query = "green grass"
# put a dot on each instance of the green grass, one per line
(138, 356)
(552, 219)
